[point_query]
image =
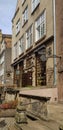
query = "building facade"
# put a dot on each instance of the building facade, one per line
(5, 59)
(35, 50)
(59, 47)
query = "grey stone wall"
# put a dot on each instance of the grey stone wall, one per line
(37, 108)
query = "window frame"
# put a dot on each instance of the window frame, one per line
(23, 1)
(40, 26)
(29, 37)
(21, 45)
(15, 50)
(18, 26)
(25, 16)
(34, 5)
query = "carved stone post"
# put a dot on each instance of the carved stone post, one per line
(20, 116)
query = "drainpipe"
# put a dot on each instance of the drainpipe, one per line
(54, 49)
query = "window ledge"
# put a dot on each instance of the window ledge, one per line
(24, 23)
(17, 33)
(29, 48)
(42, 38)
(15, 59)
(21, 54)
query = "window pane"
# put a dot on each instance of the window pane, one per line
(25, 16)
(29, 38)
(42, 29)
(18, 26)
(21, 45)
(35, 4)
(41, 26)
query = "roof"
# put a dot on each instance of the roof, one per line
(6, 36)
(7, 40)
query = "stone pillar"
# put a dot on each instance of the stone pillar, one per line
(33, 70)
(20, 116)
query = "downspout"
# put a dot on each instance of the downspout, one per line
(54, 46)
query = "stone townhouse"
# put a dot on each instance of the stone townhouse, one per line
(5, 59)
(37, 47)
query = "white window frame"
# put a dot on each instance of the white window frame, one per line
(21, 45)
(18, 27)
(40, 26)
(25, 16)
(29, 37)
(34, 4)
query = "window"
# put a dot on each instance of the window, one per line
(21, 45)
(17, 26)
(15, 50)
(23, 1)
(41, 26)
(29, 40)
(35, 3)
(25, 16)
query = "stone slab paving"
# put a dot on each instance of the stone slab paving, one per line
(8, 122)
(35, 125)
(32, 125)
(56, 112)
(41, 125)
(55, 119)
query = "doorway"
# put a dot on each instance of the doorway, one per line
(40, 71)
(27, 79)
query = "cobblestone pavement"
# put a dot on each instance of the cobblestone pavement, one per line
(55, 119)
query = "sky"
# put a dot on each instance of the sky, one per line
(7, 10)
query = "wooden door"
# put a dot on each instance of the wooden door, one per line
(27, 79)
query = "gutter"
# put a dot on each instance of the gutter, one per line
(54, 49)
